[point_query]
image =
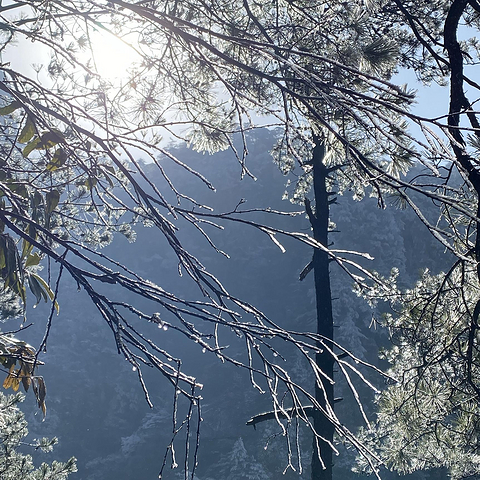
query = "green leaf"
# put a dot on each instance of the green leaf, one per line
(33, 260)
(47, 289)
(109, 168)
(2, 257)
(34, 144)
(18, 188)
(14, 283)
(26, 248)
(37, 199)
(36, 289)
(90, 183)
(106, 175)
(27, 132)
(44, 142)
(51, 138)
(58, 160)
(52, 198)
(11, 256)
(7, 109)
(19, 287)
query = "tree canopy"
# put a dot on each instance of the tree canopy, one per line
(71, 177)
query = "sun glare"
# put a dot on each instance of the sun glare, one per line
(113, 58)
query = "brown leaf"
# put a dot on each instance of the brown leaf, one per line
(15, 383)
(42, 391)
(7, 383)
(26, 381)
(35, 387)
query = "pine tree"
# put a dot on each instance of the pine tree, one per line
(64, 145)
(321, 71)
(428, 414)
(239, 465)
(15, 465)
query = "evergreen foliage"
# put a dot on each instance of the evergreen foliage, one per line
(70, 181)
(239, 465)
(428, 416)
(15, 465)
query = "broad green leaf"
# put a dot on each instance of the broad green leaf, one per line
(58, 160)
(18, 188)
(31, 146)
(19, 288)
(109, 168)
(52, 198)
(36, 289)
(47, 289)
(26, 248)
(51, 138)
(33, 260)
(11, 255)
(37, 199)
(2, 257)
(7, 109)
(27, 132)
(46, 141)
(2, 224)
(106, 175)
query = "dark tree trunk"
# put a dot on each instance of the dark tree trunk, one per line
(324, 392)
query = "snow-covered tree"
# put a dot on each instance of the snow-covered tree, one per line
(67, 189)
(321, 71)
(16, 465)
(238, 464)
(428, 414)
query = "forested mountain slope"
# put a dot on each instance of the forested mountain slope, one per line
(95, 404)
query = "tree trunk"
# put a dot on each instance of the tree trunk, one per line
(323, 392)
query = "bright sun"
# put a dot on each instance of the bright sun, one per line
(113, 57)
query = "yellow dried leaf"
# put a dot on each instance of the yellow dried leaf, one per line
(15, 384)
(7, 383)
(42, 391)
